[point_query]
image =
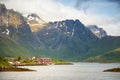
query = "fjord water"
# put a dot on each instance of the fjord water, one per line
(78, 71)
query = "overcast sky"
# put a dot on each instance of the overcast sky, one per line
(104, 13)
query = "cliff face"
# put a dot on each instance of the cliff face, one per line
(9, 17)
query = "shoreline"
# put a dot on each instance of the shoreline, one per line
(68, 63)
(112, 70)
(63, 64)
(14, 69)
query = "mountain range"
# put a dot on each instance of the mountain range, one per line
(68, 39)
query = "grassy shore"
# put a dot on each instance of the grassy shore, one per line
(61, 62)
(6, 67)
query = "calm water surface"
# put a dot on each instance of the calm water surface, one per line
(78, 71)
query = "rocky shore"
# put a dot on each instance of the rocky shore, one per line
(112, 70)
(12, 69)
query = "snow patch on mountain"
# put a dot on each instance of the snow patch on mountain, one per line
(99, 32)
(35, 22)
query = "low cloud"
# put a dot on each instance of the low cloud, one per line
(82, 4)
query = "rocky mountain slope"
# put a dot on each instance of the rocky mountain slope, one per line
(15, 33)
(71, 40)
(59, 33)
(99, 32)
(35, 22)
(13, 23)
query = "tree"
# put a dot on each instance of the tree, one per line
(19, 58)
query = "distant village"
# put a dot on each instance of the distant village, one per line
(30, 61)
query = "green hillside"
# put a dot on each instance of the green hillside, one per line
(10, 48)
(111, 56)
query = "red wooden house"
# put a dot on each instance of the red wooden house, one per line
(44, 61)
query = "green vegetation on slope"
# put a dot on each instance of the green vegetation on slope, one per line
(10, 48)
(5, 66)
(60, 62)
(3, 62)
(111, 56)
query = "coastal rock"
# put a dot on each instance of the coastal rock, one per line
(112, 70)
(12, 69)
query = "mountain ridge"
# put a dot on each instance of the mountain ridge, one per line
(59, 37)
